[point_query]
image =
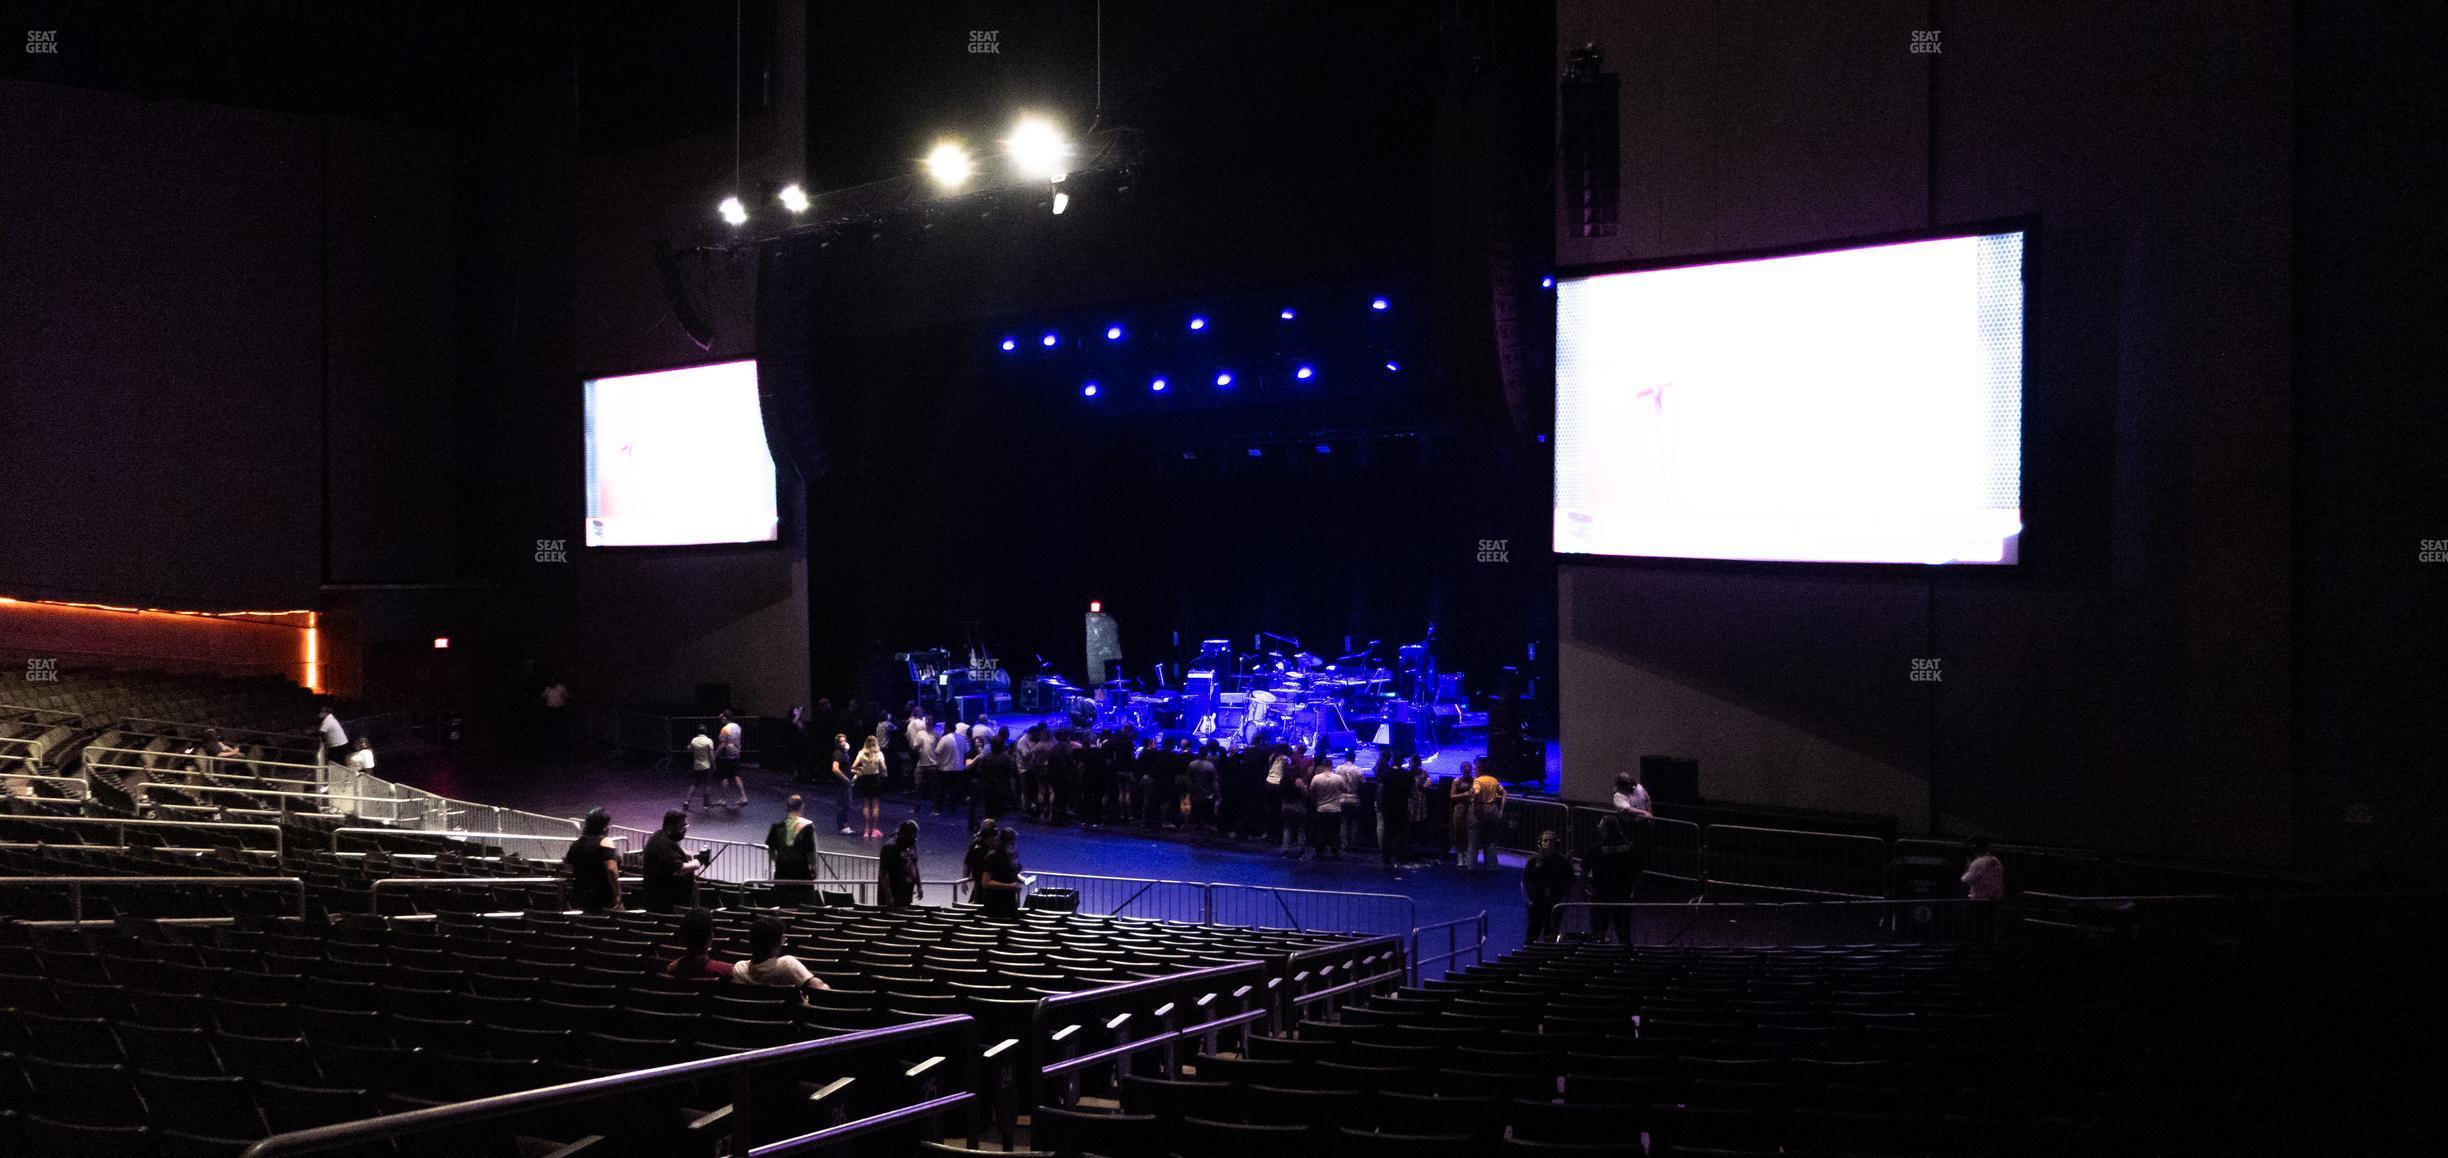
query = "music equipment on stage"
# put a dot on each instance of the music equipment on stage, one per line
(1081, 710)
(1670, 780)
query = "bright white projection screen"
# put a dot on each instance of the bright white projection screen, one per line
(678, 458)
(1859, 405)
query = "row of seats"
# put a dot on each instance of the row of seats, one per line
(2047, 1050)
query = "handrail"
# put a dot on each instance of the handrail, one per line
(280, 840)
(1037, 1067)
(325, 1138)
(84, 791)
(1453, 951)
(374, 891)
(76, 886)
(1409, 905)
(448, 834)
(169, 757)
(72, 719)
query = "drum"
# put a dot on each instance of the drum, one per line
(1082, 710)
(1260, 703)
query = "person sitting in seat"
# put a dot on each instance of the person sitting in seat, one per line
(696, 960)
(767, 964)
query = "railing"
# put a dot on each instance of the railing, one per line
(735, 861)
(861, 890)
(1525, 818)
(151, 761)
(1720, 925)
(21, 785)
(1162, 900)
(430, 810)
(620, 842)
(1326, 975)
(845, 865)
(280, 849)
(1312, 910)
(1821, 864)
(1455, 945)
(942, 1082)
(78, 884)
(559, 885)
(1107, 1029)
(45, 715)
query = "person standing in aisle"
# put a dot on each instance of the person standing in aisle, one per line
(1547, 881)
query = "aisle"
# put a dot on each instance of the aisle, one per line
(636, 796)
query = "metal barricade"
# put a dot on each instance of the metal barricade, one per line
(1822, 864)
(1456, 944)
(23, 786)
(558, 885)
(735, 861)
(1162, 900)
(1526, 817)
(1312, 910)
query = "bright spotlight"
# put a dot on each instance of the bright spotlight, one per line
(1287, 314)
(1088, 391)
(1393, 367)
(1047, 341)
(1010, 344)
(793, 198)
(1198, 323)
(1305, 373)
(1325, 448)
(733, 212)
(1157, 385)
(1377, 303)
(1062, 201)
(1224, 379)
(1113, 333)
(949, 164)
(1038, 150)
(1547, 282)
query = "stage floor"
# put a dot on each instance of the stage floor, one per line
(637, 796)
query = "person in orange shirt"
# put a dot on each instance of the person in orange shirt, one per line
(1487, 801)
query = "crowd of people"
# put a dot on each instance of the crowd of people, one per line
(1302, 802)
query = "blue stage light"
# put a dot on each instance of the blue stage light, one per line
(1377, 304)
(1547, 282)
(1157, 385)
(1254, 452)
(1113, 333)
(1088, 391)
(1198, 323)
(1287, 314)
(1324, 448)
(1010, 345)
(1048, 339)
(1305, 373)
(1224, 379)
(1393, 367)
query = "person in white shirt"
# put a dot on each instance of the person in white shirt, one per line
(361, 756)
(1347, 770)
(335, 737)
(1326, 812)
(951, 766)
(1630, 796)
(767, 964)
(701, 769)
(1984, 881)
(921, 741)
(727, 759)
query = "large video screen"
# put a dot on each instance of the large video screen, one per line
(677, 458)
(1858, 405)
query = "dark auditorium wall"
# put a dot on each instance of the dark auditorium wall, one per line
(559, 286)
(2128, 686)
(173, 271)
